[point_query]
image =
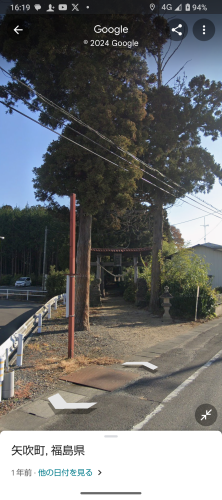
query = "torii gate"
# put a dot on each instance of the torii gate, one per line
(117, 254)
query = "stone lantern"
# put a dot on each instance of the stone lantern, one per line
(166, 296)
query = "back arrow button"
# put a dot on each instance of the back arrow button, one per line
(17, 29)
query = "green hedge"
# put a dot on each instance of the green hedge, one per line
(183, 304)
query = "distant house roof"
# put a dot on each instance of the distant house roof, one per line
(213, 246)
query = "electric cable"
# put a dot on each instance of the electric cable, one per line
(208, 232)
(184, 222)
(83, 135)
(51, 103)
(87, 149)
(68, 126)
(57, 133)
(74, 118)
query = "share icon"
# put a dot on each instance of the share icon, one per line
(178, 29)
(175, 30)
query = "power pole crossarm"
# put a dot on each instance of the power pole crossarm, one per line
(204, 225)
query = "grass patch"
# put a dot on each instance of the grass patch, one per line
(34, 347)
(24, 390)
(71, 365)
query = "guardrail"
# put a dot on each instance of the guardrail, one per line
(28, 293)
(12, 342)
(15, 342)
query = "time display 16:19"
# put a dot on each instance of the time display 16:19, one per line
(19, 8)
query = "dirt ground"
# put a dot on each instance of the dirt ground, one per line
(117, 330)
(123, 329)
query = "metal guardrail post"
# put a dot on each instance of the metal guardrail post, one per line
(55, 307)
(2, 360)
(19, 350)
(49, 311)
(7, 358)
(8, 385)
(7, 293)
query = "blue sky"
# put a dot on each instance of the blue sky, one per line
(23, 143)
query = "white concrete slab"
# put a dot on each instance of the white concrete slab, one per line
(60, 404)
(147, 365)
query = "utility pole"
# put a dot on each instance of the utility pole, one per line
(72, 270)
(204, 225)
(157, 218)
(44, 260)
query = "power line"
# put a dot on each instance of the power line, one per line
(184, 222)
(105, 138)
(61, 135)
(83, 135)
(77, 144)
(51, 103)
(74, 118)
(209, 232)
(68, 126)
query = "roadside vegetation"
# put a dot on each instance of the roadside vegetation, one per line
(182, 273)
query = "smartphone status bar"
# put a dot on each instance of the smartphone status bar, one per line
(109, 7)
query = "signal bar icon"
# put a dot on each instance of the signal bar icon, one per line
(179, 8)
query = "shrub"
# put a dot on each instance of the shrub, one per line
(36, 280)
(129, 286)
(5, 279)
(184, 304)
(182, 274)
(56, 282)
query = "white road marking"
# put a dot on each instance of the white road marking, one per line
(60, 404)
(147, 365)
(175, 393)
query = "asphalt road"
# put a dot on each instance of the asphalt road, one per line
(13, 315)
(143, 406)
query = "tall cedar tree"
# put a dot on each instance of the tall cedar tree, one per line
(104, 87)
(173, 147)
